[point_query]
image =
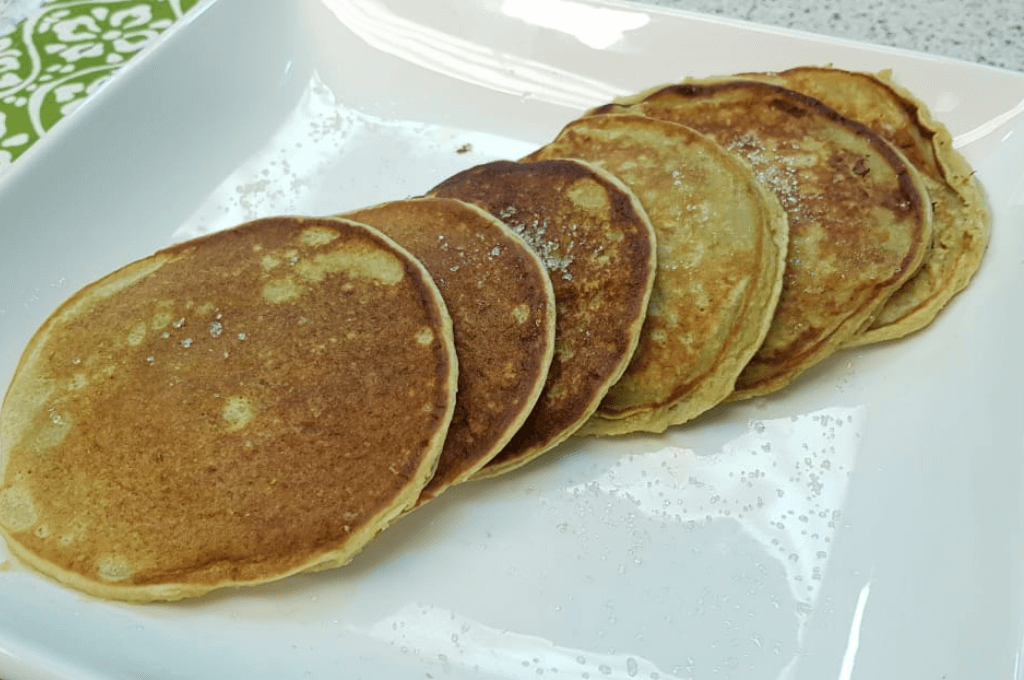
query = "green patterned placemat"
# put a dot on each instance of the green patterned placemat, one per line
(55, 59)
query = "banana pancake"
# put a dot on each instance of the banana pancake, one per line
(228, 411)
(859, 218)
(721, 253)
(503, 313)
(598, 247)
(961, 219)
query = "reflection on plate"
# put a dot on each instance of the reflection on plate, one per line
(795, 536)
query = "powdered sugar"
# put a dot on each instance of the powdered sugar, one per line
(553, 256)
(773, 169)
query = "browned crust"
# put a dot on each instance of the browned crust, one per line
(810, 325)
(601, 302)
(961, 216)
(503, 312)
(720, 256)
(253, 403)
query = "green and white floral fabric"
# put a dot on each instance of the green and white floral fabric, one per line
(56, 58)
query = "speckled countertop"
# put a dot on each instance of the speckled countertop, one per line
(982, 31)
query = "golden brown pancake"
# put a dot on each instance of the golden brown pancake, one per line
(961, 219)
(598, 247)
(503, 311)
(255, 403)
(721, 253)
(859, 218)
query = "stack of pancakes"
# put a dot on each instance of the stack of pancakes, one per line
(265, 400)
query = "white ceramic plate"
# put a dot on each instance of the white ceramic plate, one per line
(866, 523)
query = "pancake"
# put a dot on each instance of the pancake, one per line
(230, 410)
(503, 311)
(859, 218)
(961, 218)
(721, 253)
(599, 249)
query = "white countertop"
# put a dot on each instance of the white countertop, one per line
(981, 31)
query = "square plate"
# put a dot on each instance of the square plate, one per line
(866, 523)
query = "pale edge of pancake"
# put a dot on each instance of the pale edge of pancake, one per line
(960, 176)
(106, 286)
(758, 317)
(634, 334)
(354, 543)
(545, 361)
